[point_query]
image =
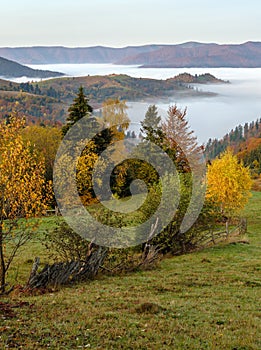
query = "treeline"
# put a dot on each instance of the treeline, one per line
(32, 88)
(36, 108)
(245, 141)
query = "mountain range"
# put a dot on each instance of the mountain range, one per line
(190, 54)
(11, 69)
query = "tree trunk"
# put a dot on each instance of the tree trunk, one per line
(2, 262)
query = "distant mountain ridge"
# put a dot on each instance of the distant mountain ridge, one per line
(60, 54)
(11, 69)
(190, 54)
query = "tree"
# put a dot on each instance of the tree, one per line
(45, 140)
(84, 172)
(180, 140)
(22, 192)
(151, 126)
(116, 121)
(228, 184)
(152, 139)
(115, 117)
(177, 140)
(79, 109)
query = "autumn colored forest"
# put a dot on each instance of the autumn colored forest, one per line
(55, 258)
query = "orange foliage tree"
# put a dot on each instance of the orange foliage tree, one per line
(180, 139)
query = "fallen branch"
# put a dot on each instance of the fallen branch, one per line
(67, 272)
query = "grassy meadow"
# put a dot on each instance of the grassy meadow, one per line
(205, 300)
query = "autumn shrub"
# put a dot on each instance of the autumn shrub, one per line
(171, 239)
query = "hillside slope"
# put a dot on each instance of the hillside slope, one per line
(204, 300)
(245, 141)
(11, 69)
(49, 99)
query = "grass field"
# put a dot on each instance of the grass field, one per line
(205, 300)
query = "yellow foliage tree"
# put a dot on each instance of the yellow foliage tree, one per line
(115, 117)
(22, 192)
(114, 113)
(45, 140)
(81, 168)
(84, 171)
(228, 184)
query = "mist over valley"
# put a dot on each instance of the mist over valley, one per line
(210, 117)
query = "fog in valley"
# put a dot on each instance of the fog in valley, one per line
(210, 117)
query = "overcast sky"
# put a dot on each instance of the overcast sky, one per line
(127, 22)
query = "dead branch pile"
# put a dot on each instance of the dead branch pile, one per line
(62, 273)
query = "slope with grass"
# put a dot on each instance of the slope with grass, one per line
(204, 300)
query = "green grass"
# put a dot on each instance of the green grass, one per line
(205, 300)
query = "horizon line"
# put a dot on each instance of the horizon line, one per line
(127, 46)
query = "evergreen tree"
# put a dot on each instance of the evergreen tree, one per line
(79, 109)
(133, 135)
(240, 129)
(151, 126)
(246, 130)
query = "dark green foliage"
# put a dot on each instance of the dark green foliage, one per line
(65, 244)
(134, 169)
(171, 239)
(102, 140)
(79, 109)
(151, 126)
(185, 78)
(233, 139)
(253, 159)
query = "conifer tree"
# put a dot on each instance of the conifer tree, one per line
(79, 109)
(151, 126)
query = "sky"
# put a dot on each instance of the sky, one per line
(119, 23)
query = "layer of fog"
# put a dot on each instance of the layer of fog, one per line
(236, 103)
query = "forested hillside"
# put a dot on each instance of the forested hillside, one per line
(49, 99)
(245, 141)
